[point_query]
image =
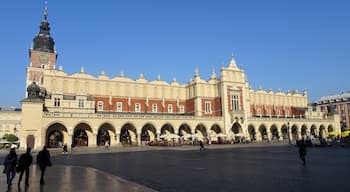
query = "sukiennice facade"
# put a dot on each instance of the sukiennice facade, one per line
(79, 108)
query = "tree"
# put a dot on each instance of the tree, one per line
(10, 137)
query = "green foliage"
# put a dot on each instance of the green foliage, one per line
(10, 137)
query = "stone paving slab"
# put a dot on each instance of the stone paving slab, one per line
(72, 178)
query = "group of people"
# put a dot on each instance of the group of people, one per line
(13, 165)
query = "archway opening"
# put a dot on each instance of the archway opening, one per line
(80, 136)
(54, 135)
(128, 135)
(263, 132)
(274, 132)
(148, 133)
(252, 132)
(103, 134)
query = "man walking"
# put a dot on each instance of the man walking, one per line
(10, 166)
(43, 160)
(24, 163)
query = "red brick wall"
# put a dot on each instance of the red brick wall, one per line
(142, 102)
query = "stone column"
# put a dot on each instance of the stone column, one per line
(92, 139)
(117, 139)
(138, 135)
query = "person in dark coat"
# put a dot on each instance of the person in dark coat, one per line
(10, 166)
(43, 160)
(24, 163)
(201, 145)
(302, 150)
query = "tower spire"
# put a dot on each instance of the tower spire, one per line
(43, 41)
(46, 13)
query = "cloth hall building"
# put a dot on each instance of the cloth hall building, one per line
(79, 108)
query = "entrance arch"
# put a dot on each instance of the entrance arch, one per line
(313, 131)
(103, 134)
(167, 129)
(184, 130)
(81, 134)
(263, 132)
(274, 132)
(304, 131)
(284, 132)
(252, 132)
(236, 128)
(201, 129)
(128, 134)
(55, 135)
(148, 133)
(294, 132)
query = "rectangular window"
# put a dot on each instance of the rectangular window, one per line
(119, 106)
(81, 103)
(137, 107)
(57, 102)
(100, 106)
(182, 109)
(235, 102)
(170, 108)
(207, 107)
(154, 108)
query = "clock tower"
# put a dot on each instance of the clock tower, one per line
(42, 54)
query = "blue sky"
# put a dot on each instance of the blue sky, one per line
(286, 44)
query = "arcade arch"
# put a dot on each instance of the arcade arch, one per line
(56, 135)
(82, 135)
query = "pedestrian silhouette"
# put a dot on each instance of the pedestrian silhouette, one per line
(10, 166)
(201, 145)
(65, 149)
(24, 163)
(107, 145)
(43, 160)
(302, 150)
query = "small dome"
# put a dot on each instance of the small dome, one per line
(33, 90)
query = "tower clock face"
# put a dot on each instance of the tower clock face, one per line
(43, 58)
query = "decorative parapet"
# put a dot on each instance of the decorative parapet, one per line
(127, 116)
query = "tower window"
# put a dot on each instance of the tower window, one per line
(235, 101)
(207, 107)
(57, 102)
(81, 103)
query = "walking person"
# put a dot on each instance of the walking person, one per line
(65, 149)
(107, 145)
(43, 160)
(10, 166)
(201, 145)
(302, 150)
(72, 147)
(24, 163)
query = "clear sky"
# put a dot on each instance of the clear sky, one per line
(286, 44)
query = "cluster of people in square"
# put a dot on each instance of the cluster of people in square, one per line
(13, 165)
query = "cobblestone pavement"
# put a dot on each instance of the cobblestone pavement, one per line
(224, 168)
